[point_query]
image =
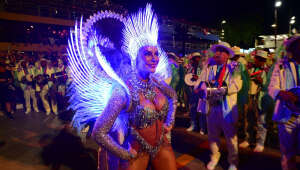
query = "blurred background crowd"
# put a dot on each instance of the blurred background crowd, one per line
(33, 81)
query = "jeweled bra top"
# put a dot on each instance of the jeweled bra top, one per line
(140, 116)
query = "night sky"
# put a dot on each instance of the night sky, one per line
(210, 13)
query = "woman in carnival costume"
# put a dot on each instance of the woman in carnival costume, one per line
(133, 109)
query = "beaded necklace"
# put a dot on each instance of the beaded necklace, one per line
(146, 88)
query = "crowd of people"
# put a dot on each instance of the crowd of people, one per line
(34, 81)
(235, 93)
(254, 70)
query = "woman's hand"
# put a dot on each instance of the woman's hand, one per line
(132, 152)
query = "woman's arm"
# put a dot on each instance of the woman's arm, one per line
(105, 121)
(172, 100)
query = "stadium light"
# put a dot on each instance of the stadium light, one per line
(278, 4)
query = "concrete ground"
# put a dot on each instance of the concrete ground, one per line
(39, 142)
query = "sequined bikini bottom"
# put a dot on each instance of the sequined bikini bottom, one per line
(148, 148)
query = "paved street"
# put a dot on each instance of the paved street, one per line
(38, 142)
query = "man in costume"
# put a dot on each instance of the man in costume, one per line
(133, 113)
(284, 88)
(242, 97)
(221, 81)
(26, 73)
(60, 78)
(44, 84)
(194, 70)
(257, 72)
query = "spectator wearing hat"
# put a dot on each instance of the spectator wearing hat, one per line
(221, 81)
(238, 56)
(254, 116)
(284, 88)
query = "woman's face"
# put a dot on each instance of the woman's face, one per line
(147, 59)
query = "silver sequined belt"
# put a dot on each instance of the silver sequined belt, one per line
(152, 150)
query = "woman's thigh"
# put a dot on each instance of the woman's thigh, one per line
(140, 163)
(164, 159)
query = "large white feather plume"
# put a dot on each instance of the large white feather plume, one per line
(92, 75)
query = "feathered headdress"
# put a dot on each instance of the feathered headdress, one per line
(141, 29)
